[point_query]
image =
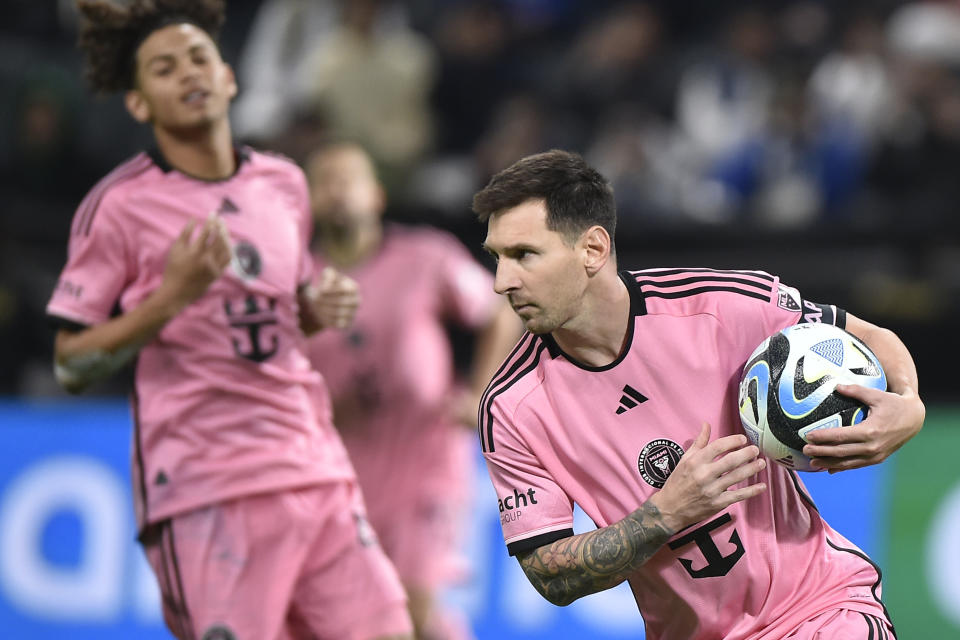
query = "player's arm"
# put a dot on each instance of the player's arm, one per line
(87, 355)
(573, 567)
(895, 415)
(701, 485)
(330, 302)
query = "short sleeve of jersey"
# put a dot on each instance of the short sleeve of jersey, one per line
(788, 299)
(97, 267)
(467, 286)
(753, 321)
(534, 510)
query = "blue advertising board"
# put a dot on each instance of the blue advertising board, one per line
(70, 567)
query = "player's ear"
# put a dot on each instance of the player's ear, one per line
(381, 199)
(231, 81)
(137, 105)
(596, 246)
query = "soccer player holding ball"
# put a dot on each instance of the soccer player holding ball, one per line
(194, 260)
(622, 398)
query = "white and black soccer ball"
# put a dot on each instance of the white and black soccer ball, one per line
(787, 388)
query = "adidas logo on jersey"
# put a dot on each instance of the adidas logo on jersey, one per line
(228, 206)
(630, 398)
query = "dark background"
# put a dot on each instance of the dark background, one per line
(814, 140)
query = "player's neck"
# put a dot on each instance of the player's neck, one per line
(206, 154)
(597, 335)
(347, 247)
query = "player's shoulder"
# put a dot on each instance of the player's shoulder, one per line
(424, 236)
(282, 172)
(428, 243)
(113, 189)
(511, 387)
(126, 175)
(695, 290)
(268, 159)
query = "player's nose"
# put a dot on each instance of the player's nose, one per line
(505, 278)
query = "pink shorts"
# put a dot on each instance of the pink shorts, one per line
(294, 564)
(422, 541)
(846, 624)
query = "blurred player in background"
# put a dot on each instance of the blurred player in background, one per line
(193, 260)
(609, 401)
(391, 375)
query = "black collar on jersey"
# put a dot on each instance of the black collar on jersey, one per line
(241, 154)
(637, 308)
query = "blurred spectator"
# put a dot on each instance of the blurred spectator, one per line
(271, 67)
(45, 140)
(723, 107)
(371, 80)
(474, 74)
(618, 57)
(851, 86)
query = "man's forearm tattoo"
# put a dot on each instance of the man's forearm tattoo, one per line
(590, 562)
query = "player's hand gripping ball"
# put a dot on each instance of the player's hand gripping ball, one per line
(787, 388)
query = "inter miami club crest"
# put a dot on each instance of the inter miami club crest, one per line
(246, 260)
(657, 461)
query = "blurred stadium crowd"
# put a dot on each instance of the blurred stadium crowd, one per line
(712, 119)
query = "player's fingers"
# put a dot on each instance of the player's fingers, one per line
(221, 252)
(837, 436)
(219, 235)
(702, 438)
(187, 231)
(722, 445)
(742, 472)
(859, 392)
(326, 280)
(341, 320)
(207, 232)
(222, 239)
(838, 451)
(337, 292)
(222, 228)
(738, 495)
(834, 465)
(736, 459)
(345, 284)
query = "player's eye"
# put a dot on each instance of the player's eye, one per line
(521, 254)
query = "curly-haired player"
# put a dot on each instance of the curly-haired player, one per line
(193, 259)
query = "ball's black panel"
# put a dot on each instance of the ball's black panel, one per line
(776, 356)
(752, 394)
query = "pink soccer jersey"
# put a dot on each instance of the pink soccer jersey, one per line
(555, 432)
(391, 374)
(225, 401)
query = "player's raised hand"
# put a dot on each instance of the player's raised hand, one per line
(334, 299)
(194, 263)
(702, 482)
(892, 419)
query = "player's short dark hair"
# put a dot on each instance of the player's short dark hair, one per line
(576, 195)
(111, 33)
